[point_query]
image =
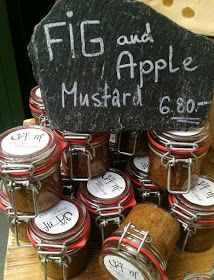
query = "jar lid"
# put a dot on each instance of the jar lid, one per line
(80, 138)
(199, 200)
(67, 222)
(109, 190)
(36, 97)
(28, 146)
(181, 142)
(142, 164)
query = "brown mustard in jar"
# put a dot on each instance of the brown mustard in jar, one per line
(60, 236)
(195, 212)
(86, 156)
(140, 248)
(129, 143)
(37, 107)
(108, 199)
(17, 223)
(176, 157)
(30, 168)
(145, 191)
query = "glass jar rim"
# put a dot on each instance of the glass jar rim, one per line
(34, 98)
(162, 146)
(40, 160)
(93, 204)
(195, 276)
(74, 236)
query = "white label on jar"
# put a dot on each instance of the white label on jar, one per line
(121, 269)
(109, 185)
(142, 163)
(38, 93)
(202, 194)
(187, 133)
(25, 141)
(60, 218)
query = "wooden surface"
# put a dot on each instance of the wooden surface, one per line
(22, 264)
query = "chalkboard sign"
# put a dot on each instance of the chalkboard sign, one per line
(118, 64)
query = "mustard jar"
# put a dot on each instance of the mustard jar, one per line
(176, 157)
(129, 143)
(195, 212)
(37, 107)
(86, 156)
(145, 191)
(141, 246)
(30, 168)
(60, 237)
(108, 198)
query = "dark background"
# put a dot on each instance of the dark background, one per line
(23, 16)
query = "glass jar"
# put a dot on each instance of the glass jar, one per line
(60, 237)
(176, 157)
(16, 224)
(195, 212)
(211, 122)
(108, 199)
(129, 143)
(140, 248)
(37, 107)
(30, 168)
(145, 190)
(86, 156)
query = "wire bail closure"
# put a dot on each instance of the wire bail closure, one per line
(133, 146)
(142, 237)
(188, 224)
(169, 162)
(104, 219)
(78, 149)
(60, 257)
(11, 185)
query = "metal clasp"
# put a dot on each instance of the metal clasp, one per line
(104, 219)
(11, 185)
(121, 135)
(169, 161)
(78, 149)
(147, 193)
(188, 223)
(15, 221)
(59, 257)
(142, 237)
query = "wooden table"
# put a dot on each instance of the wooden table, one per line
(22, 264)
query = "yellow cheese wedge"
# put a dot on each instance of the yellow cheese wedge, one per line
(195, 15)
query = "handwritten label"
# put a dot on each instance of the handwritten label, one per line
(38, 93)
(108, 185)
(92, 67)
(142, 163)
(202, 194)
(121, 269)
(25, 141)
(60, 218)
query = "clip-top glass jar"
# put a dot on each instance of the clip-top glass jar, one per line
(145, 190)
(30, 168)
(176, 157)
(60, 236)
(129, 143)
(195, 212)
(107, 198)
(37, 106)
(140, 248)
(86, 156)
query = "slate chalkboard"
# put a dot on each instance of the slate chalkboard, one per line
(117, 64)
